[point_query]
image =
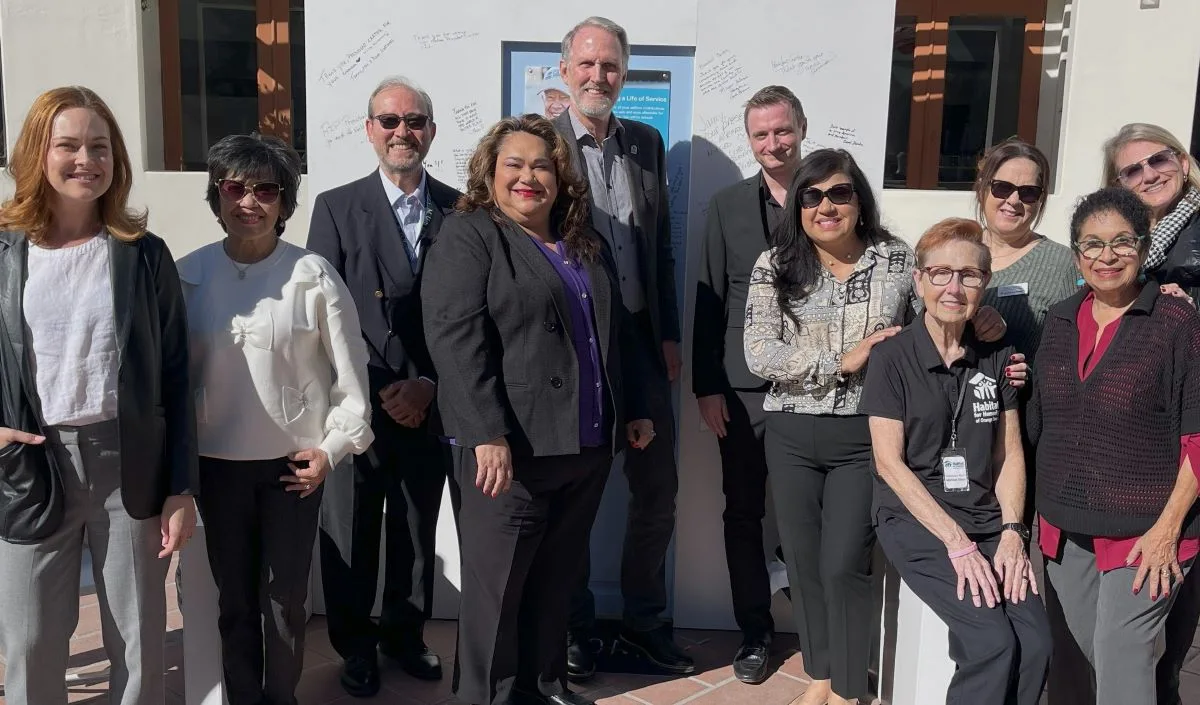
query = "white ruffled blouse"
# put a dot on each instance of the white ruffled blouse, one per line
(278, 357)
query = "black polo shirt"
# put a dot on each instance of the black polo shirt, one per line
(772, 211)
(907, 381)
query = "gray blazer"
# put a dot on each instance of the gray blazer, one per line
(498, 323)
(646, 163)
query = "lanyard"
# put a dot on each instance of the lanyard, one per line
(962, 395)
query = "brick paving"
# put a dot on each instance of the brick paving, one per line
(713, 683)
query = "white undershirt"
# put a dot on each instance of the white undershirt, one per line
(68, 307)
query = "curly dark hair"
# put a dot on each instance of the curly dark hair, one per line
(797, 268)
(1122, 202)
(569, 213)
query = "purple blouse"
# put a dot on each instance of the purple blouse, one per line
(592, 426)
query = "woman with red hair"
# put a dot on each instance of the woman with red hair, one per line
(950, 475)
(97, 428)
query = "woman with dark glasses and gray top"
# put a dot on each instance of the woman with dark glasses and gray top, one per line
(834, 284)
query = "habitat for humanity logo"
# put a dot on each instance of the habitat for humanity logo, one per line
(986, 409)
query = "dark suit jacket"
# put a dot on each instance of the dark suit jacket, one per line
(646, 165)
(155, 405)
(354, 227)
(498, 323)
(734, 237)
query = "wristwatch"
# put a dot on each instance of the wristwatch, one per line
(1018, 527)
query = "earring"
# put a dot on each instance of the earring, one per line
(1080, 282)
(1141, 277)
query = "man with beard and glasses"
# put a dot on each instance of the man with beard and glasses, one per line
(376, 231)
(740, 221)
(624, 162)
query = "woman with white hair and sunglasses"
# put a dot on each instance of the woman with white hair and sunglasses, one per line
(1152, 163)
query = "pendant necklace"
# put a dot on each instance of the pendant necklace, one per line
(241, 270)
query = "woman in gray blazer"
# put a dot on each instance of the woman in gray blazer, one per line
(536, 382)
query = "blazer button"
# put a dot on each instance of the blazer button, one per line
(550, 326)
(379, 293)
(556, 382)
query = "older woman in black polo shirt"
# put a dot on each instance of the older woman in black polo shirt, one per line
(950, 485)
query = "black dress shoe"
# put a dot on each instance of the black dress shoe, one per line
(657, 647)
(417, 660)
(360, 676)
(567, 697)
(581, 659)
(750, 663)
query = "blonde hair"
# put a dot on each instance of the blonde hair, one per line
(1146, 132)
(29, 208)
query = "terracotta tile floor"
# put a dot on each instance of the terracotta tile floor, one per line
(713, 683)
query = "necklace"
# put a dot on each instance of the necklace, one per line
(241, 269)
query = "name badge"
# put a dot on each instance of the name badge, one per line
(1012, 290)
(955, 477)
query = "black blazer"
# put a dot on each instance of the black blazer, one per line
(734, 237)
(645, 161)
(354, 227)
(155, 408)
(498, 324)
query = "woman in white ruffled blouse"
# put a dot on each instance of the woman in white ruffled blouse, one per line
(281, 396)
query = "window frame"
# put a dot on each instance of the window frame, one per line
(929, 74)
(273, 35)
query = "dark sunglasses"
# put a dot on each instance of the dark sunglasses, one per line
(265, 192)
(390, 121)
(1027, 194)
(1164, 162)
(839, 195)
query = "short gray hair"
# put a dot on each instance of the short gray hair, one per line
(600, 23)
(392, 82)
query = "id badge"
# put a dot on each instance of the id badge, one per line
(955, 477)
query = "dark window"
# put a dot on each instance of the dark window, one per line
(230, 67)
(965, 75)
(1195, 120)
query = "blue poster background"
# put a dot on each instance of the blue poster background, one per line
(531, 68)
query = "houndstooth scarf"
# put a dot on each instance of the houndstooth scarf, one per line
(1166, 230)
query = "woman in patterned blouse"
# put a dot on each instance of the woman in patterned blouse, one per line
(834, 284)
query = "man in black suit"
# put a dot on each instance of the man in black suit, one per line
(740, 220)
(624, 162)
(376, 231)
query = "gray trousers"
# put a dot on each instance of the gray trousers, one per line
(1120, 633)
(39, 583)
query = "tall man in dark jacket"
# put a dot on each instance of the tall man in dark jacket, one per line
(624, 162)
(376, 231)
(740, 221)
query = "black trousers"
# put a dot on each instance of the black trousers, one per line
(521, 553)
(407, 469)
(260, 541)
(821, 484)
(1001, 653)
(650, 522)
(744, 482)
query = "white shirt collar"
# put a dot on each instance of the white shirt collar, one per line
(395, 193)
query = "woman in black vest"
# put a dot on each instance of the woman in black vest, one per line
(1116, 416)
(1153, 163)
